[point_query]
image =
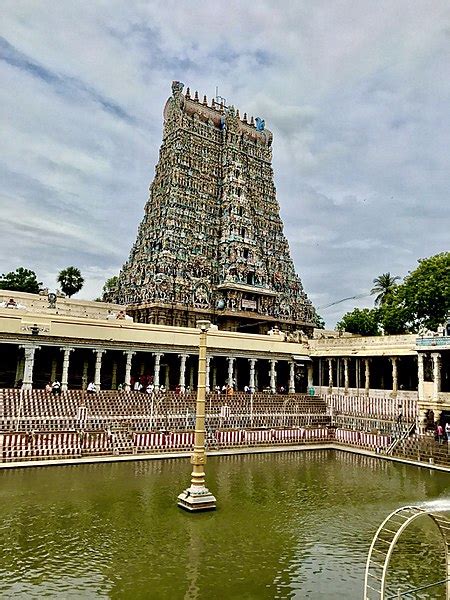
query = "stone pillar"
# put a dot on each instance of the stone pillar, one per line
(214, 381)
(230, 370)
(191, 378)
(114, 375)
(84, 376)
(251, 384)
(394, 375)
(98, 367)
(346, 381)
(142, 368)
(291, 389)
(157, 356)
(183, 360)
(208, 369)
(310, 375)
(357, 374)
(53, 370)
(436, 356)
(20, 368)
(367, 376)
(330, 374)
(167, 379)
(29, 366)
(65, 369)
(273, 377)
(129, 357)
(320, 373)
(420, 375)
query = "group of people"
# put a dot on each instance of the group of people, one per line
(442, 433)
(55, 388)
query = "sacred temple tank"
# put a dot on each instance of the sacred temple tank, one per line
(211, 244)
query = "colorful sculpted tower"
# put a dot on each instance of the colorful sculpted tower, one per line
(211, 244)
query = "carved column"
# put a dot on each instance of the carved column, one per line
(191, 378)
(84, 376)
(394, 375)
(420, 375)
(20, 368)
(251, 385)
(346, 376)
(230, 370)
(320, 373)
(367, 375)
(183, 359)
(157, 356)
(436, 356)
(29, 366)
(114, 375)
(53, 370)
(208, 369)
(98, 367)
(129, 357)
(330, 374)
(357, 374)
(310, 375)
(65, 369)
(167, 378)
(214, 381)
(292, 377)
(273, 376)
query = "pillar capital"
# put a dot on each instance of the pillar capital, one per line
(67, 349)
(99, 351)
(129, 352)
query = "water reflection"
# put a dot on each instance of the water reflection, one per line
(288, 525)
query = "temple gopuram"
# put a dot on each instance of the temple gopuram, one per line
(211, 243)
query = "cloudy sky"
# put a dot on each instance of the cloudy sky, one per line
(356, 92)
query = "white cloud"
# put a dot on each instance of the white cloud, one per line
(356, 92)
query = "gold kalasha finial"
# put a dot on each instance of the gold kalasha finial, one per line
(245, 118)
(196, 97)
(205, 101)
(188, 93)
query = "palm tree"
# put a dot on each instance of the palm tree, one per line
(71, 280)
(384, 284)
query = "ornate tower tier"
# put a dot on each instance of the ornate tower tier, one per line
(211, 244)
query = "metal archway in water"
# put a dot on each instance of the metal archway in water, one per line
(386, 539)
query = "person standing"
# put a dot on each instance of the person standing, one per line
(447, 431)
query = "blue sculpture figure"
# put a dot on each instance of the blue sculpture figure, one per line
(260, 124)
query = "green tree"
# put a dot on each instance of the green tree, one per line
(384, 284)
(70, 280)
(393, 313)
(110, 287)
(20, 280)
(362, 321)
(319, 323)
(425, 293)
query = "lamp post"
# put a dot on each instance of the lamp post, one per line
(197, 497)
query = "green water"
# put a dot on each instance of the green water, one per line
(288, 525)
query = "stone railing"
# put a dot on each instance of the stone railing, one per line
(374, 393)
(432, 342)
(364, 346)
